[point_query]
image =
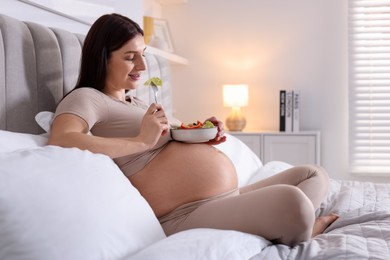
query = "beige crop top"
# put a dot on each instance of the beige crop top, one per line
(110, 117)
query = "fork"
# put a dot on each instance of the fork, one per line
(155, 90)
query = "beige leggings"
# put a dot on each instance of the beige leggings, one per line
(280, 208)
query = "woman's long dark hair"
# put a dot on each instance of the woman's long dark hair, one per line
(108, 33)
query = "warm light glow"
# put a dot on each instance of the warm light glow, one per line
(235, 95)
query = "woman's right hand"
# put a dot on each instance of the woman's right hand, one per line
(154, 124)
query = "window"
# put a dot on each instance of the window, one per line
(369, 87)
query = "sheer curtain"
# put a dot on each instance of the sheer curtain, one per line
(369, 87)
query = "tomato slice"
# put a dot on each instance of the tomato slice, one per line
(198, 124)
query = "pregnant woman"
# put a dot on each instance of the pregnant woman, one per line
(187, 185)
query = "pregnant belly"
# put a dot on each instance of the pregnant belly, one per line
(183, 173)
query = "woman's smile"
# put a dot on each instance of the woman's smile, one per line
(135, 77)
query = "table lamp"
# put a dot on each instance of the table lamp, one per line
(235, 96)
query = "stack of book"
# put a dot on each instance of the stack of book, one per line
(289, 110)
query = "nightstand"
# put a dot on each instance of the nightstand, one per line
(291, 147)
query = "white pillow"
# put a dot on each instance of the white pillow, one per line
(210, 244)
(244, 159)
(44, 120)
(270, 169)
(12, 141)
(58, 203)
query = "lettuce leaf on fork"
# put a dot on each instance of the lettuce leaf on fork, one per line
(156, 81)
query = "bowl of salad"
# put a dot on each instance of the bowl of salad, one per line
(194, 132)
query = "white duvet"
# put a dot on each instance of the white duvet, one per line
(361, 232)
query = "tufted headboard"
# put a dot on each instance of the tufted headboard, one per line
(39, 65)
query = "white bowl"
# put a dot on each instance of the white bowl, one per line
(197, 135)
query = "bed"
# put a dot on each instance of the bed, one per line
(58, 203)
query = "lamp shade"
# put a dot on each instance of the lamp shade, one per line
(235, 95)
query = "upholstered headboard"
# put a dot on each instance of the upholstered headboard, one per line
(38, 65)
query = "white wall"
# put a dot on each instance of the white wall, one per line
(270, 45)
(152, 8)
(26, 12)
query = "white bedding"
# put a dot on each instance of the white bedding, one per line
(361, 232)
(58, 203)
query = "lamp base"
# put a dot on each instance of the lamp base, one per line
(235, 121)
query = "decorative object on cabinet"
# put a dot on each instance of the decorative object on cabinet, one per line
(282, 111)
(235, 96)
(161, 35)
(289, 113)
(293, 148)
(296, 103)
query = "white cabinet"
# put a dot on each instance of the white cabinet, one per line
(293, 148)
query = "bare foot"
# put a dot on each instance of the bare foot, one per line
(322, 223)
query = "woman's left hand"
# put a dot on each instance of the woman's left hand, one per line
(220, 137)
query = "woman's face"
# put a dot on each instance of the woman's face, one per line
(126, 64)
